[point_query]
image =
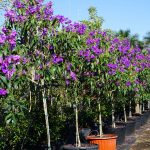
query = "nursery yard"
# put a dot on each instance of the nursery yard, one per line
(140, 140)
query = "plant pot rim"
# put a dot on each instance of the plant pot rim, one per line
(104, 136)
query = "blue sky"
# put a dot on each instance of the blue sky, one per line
(118, 14)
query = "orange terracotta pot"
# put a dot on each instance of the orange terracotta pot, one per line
(105, 142)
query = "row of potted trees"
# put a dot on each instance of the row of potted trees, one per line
(46, 58)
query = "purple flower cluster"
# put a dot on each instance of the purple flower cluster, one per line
(48, 11)
(87, 55)
(96, 50)
(79, 28)
(92, 41)
(112, 68)
(73, 75)
(8, 65)
(57, 59)
(8, 37)
(3, 92)
(124, 46)
(18, 4)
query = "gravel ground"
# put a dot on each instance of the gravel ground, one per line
(140, 140)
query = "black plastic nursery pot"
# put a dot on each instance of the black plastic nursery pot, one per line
(83, 147)
(120, 131)
(148, 111)
(130, 126)
(143, 119)
(138, 120)
(146, 116)
(36, 147)
(84, 132)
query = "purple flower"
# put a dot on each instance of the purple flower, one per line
(124, 46)
(117, 83)
(87, 53)
(128, 83)
(137, 69)
(137, 81)
(73, 75)
(15, 57)
(11, 15)
(69, 65)
(140, 57)
(125, 61)
(121, 69)
(37, 77)
(5, 30)
(92, 33)
(81, 53)
(115, 40)
(61, 19)
(67, 82)
(2, 38)
(21, 18)
(112, 72)
(136, 89)
(1, 60)
(57, 59)
(44, 32)
(3, 92)
(112, 66)
(96, 50)
(76, 27)
(18, 4)
(48, 11)
(92, 56)
(10, 73)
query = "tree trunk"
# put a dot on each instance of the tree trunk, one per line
(143, 107)
(78, 143)
(113, 116)
(100, 120)
(125, 113)
(148, 104)
(130, 109)
(46, 116)
(137, 108)
(140, 108)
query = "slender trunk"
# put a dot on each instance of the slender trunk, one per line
(31, 86)
(137, 109)
(100, 120)
(78, 143)
(148, 104)
(140, 108)
(125, 113)
(46, 116)
(35, 101)
(113, 116)
(130, 109)
(30, 101)
(143, 107)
